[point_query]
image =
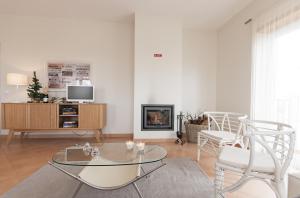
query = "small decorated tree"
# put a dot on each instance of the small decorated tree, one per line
(33, 90)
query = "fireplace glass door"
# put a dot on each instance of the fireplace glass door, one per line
(158, 117)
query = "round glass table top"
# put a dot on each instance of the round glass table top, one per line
(108, 154)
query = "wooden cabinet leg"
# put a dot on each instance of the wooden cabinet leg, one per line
(22, 135)
(9, 136)
(98, 135)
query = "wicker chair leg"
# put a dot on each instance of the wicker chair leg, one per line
(219, 182)
(280, 188)
(198, 148)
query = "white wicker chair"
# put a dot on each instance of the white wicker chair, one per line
(224, 128)
(267, 158)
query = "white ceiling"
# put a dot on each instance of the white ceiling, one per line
(205, 14)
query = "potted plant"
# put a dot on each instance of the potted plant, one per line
(33, 90)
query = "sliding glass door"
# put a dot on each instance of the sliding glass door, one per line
(276, 67)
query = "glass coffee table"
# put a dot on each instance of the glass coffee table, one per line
(109, 166)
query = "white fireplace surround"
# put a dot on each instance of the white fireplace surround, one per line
(157, 80)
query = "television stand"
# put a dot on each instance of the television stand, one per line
(37, 117)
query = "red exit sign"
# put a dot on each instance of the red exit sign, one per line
(157, 55)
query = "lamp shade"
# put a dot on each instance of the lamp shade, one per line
(16, 79)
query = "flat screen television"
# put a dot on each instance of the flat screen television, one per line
(80, 93)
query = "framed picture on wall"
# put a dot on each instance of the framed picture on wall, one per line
(60, 74)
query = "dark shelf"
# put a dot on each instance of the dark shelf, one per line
(70, 118)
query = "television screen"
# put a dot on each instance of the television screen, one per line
(80, 93)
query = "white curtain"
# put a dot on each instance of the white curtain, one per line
(276, 66)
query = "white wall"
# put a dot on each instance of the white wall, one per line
(200, 50)
(184, 76)
(28, 43)
(234, 62)
(157, 80)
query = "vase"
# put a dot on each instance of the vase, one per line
(36, 100)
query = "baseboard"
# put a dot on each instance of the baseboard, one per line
(118, 135)
(3, 132)
(86, 134)
(69, 134)
(155, 140)
(59, 135)
(82, 135)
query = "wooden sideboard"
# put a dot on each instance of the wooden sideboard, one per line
(32, 117)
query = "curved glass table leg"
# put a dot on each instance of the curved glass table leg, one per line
(137, 190)
(77, 189)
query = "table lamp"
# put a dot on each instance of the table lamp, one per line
(16, 79)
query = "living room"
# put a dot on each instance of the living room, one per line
(112, 87)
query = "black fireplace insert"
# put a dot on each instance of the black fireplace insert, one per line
(157, 117)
